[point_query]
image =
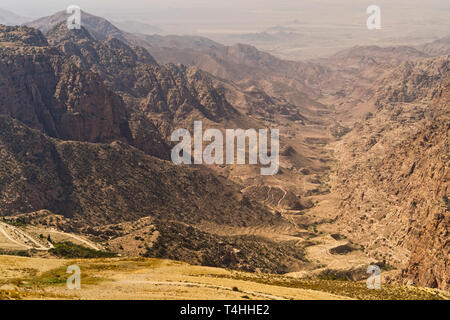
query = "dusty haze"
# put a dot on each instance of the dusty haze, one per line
(289, 29)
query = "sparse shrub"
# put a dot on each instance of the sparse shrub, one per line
(70, 250)
(20, 253)
(446, 202)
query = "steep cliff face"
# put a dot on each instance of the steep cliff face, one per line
(123, 70)
(429, 264)
(183, 89)
(40, 87)
(393, 173)
(242, 64)
(413, 81)
(118, 64)
(428, 234)
(133, 72)
(173, 92)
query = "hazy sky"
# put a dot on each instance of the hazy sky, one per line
(191, 15)
(195, 9)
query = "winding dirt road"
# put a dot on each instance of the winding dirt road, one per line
(38, 246)
(9, 231)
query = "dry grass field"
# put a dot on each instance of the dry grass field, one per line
(142, 279)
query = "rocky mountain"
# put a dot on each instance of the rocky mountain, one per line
(429, 263)
(9, 18)
(297, 83)
(143, 87)
(247, 66)
(43, 89)
(354, 69)
(170, 95)
(243, 64)
(73, 110)
(363, 164)
(363, 56)
(81, 181)
(63, 91)
(437, 48)
(356, 74)
(393, 173)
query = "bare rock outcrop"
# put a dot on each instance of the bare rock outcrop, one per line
(393, 174)
(43, 89)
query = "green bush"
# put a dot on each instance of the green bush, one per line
(71, 250)
(20, 253)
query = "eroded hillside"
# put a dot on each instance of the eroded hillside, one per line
(393, 173)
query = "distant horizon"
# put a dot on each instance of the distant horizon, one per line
(288, 29)
(233, 14)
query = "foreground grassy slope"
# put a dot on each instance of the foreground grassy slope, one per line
(120, 278)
